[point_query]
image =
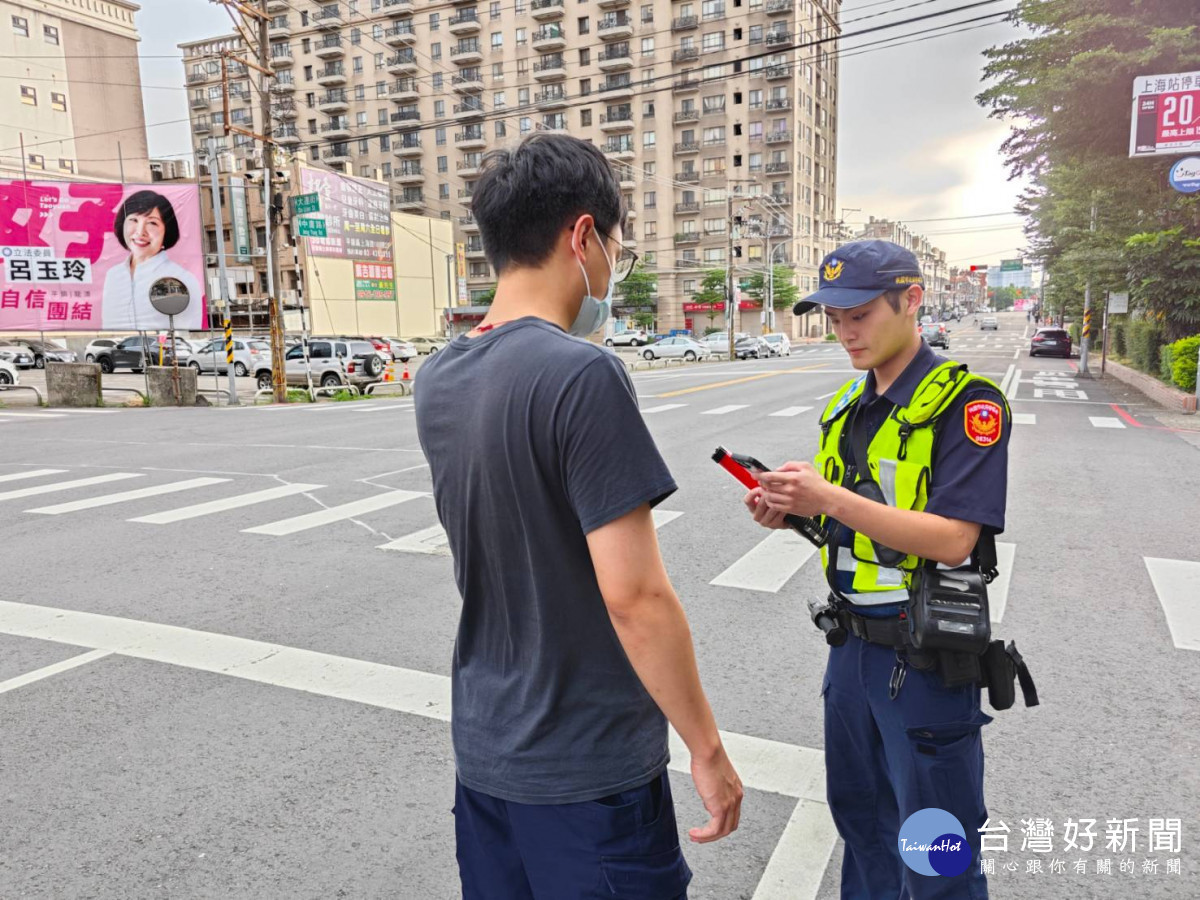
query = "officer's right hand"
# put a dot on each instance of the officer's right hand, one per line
(763, 514)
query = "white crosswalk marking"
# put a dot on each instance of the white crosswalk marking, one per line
(126, 496)
(1175, 581)
(724, 410)
(217, 506)
(32, 473)
(769, 564)
(791, 411)
(1106, 422)
(1024, 418)
(405, 407)
(663, 408)
(1006, 555)
(21, 415)
(67, 485)
(334, 514)
(664, 517)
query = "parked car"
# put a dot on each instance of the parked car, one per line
(427, 346)
(8, 370)
(635, 337)
(780, 345)
(334, 361)
(132, 352)
(935, 335)
(44, 351)
(18, 357)
(89, 352)
(989, 323)
(248, 356)
(678, 347)
(745, 346)
(1055, 341)
(397, 349)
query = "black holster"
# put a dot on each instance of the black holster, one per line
(1002, 666)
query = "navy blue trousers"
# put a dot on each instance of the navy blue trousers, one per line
(885, 759)
(625, 845)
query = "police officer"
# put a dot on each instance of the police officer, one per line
(911, 472)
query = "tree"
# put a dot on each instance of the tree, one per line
(1002, 298)
(712, 291)
(785, 291)
(486, 298)
(637, 297)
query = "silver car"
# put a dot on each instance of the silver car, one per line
(780, 345)
(678, 347)
(635, 337)
(334, 362)
(248, 356)
(44, 352)
(98, 346)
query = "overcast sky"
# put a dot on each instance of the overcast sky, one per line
(913, 143)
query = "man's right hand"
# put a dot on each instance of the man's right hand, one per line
(721, 791)
(763, 514)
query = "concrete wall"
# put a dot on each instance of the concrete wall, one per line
(162, 386)
(73, 384)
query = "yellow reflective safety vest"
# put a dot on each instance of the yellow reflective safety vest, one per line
(900, 462)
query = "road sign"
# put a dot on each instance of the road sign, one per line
(1118, 303)
(312, 227)
(306, 203)
(1185, 175)
(1166, 115)
(1012, 265)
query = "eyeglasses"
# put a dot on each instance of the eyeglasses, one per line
(626, 260)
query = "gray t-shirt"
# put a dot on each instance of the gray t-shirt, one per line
(534, 439)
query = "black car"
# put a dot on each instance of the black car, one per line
(131, 354)
(1055, 341)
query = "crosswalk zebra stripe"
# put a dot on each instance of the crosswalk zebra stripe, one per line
(769, 564)
(32, 473)
(334, 514)
(68, 485)
(1006, 555)
(663, 408)
(1106, 422)
(217, 506)
(791, 411)
(1175, 583)
(126, 496)
(1024, 418)
(724, 410)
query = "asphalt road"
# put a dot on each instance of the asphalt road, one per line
(225, 636)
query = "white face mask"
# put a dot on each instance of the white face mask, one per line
(593, 312)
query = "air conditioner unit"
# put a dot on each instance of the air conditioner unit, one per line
(288, 297)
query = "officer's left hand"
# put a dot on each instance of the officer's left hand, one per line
(795, 487)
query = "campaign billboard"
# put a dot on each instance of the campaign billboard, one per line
(83, 256)
(1166, 115)
(357, 215)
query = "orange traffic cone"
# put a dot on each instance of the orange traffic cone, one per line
(389, 373)
(405, 376)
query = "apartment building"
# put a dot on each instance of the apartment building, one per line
(706, 118)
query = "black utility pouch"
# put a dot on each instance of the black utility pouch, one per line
(1000, 675)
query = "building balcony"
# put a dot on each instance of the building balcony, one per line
(688, 115)
(329, 17)
(285, 112)
(475, 251)
(333, 75)
(279, 28)
(685, 54)
(549, 38)
(687, 147)
(620, 150)
(613, 4)
(779, 103)
(774, 73)
(201, 126)
(407, 202)
(778, 168)
(617, 90)
(465, 195)
(408, 176)
(466, 22)
(405, 117)
(281, 58)
(281, 85)
(404, 91)
(685, 238)
(469, 167)
(775, 38)
(712, 143)
(288, 135)
(337, 130)
(614, 27)
(552, 98)
(401, 35)
(779, 200)
(689, 177)
(685, 23)
(472, 139)
(685, 86)
(686, 208)
(329, 47)
(546, 10)
(337, 154)
(467, 53)
(333, 102)
(403, 63)
(778, 137)
(200, 103)
(468, 224)
(620, 61)
(197, 77)
(617, 121)
(631, 212)
(628, 181)
(278, 6)
(470, 83)
(469, 110)
(398, 8)
(406, 149)
(775, 7)
(550, 70)
(685, 262)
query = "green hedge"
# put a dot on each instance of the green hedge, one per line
(1183, 362)
(1145, 341)
(1117, 339)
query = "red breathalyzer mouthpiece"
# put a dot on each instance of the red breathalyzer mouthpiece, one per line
(725, 460)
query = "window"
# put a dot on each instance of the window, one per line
(66, 165)
(439, 109)
(650, 199)
(497, 71)
(439, 137)
(435, 21)
(385, 143)
(364, 146)
(37, 161)
(502, 129)
(308, 70)
(377, 32)
(435, 50)
(443, 191)
(714, 166)
(651, 230)
(585, 25)
(437, 81)
(522, 96)
(585, 57)
(714, 255)
(51, 34)
(383, 117)
(20, 26)
(647, 109)
(442, 164)
(355, 36)
(58, 102)
(585, 117)
(361, 119)
(585, 86)
(526, 125)
(647, 13)
(714, 41)
(648, 46)
(756, 132)
(28, 94)
(714, 105)
(358, 64)
(650, 169)
(497, 40)
(522, 37)
(649, 140)
(498, 100)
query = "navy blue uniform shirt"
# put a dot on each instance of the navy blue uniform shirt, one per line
(969, 481)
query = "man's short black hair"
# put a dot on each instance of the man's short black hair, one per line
(526, 196)
(143, 202)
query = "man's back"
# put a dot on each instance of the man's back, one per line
(534, 439)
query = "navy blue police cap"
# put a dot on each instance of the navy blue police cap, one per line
(859, 272)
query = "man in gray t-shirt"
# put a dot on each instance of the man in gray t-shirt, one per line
(573, 651)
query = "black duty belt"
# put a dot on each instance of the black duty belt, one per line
(890, 631)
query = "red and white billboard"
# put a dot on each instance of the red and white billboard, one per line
(1166, 115)
(83, 256)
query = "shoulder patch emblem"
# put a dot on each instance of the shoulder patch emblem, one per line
(983, 422)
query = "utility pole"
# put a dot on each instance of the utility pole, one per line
(729, 305)
(219, 221)
(1086, 331)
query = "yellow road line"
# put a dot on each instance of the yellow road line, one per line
(721, 384)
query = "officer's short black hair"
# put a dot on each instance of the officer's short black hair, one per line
(526, 196)
(144, 202)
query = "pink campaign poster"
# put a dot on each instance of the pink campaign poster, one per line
(82, 257)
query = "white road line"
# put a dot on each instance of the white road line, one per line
(384, 407)
(1175, 582)
(1024, 418)
(125, 496)
(663, 408)
(1011, 394)
(334, 514)
(724, 410)
(1017, 353)
(68, 485)
(217, 506)
(664, 517)
(1006, 555)
(1106, 422)
(32, 473)
(791, 411)
(827, 396)
(65, 666)
(1006, 381)
(20, 415)
(769, 564)
(797, 865)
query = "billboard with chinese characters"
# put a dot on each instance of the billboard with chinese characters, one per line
(82, 257)
(357, 214)
(374, 281)
(1166, 115)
